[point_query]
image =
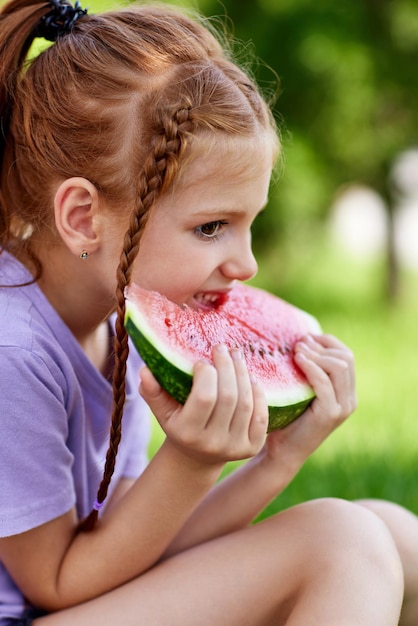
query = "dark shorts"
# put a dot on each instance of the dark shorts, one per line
(25, 620)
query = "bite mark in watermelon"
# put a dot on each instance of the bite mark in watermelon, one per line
(171, 339)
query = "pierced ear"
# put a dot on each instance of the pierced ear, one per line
(76, 207)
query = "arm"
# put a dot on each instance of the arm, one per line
(224, 418)
(236, 500)
(120, 491)
(56, 567)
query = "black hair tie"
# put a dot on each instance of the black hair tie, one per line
(60, 20)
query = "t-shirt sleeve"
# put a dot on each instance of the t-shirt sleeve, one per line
(36, 483)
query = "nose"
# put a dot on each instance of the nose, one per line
(241, 263)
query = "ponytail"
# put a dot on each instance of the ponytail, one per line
(18, 22)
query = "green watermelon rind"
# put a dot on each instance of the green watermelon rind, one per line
(175, 373)
(281, 416)
(174, 380)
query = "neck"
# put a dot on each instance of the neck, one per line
(75, 290)
(85, 314)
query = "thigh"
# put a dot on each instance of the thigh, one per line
(310, 560)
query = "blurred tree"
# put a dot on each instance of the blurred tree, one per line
(348, 96)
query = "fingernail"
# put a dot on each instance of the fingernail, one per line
(221, 348)
(236, 354)
(202, 362)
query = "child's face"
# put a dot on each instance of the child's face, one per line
(197, 241)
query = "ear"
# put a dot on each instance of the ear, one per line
(76, 207)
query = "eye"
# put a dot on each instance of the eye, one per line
(211, 230)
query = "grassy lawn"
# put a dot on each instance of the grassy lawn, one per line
(375, 452)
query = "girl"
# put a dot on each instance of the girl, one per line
(134, 149)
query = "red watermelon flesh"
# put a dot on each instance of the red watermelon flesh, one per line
(171, 338)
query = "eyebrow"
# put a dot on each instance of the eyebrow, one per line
(227, 211)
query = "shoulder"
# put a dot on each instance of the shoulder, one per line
(29, 350)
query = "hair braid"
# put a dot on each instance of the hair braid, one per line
(159, 170)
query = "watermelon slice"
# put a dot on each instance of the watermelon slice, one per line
(171, 338)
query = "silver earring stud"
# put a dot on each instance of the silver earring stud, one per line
(84, 254)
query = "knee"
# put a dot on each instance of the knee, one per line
(402, 524)
(345, 534)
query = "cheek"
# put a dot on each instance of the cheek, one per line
(177, 277)
(157, 267)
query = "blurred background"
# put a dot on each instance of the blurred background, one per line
(340, 235)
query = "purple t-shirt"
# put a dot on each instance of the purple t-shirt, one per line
(55, 411)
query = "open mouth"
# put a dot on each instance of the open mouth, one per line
(210, 301)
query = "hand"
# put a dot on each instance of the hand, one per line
(225, 416)
(329, 367)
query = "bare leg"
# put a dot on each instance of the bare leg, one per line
(321, 563)
(404, 528)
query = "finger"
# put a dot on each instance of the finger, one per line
(325, 344)
(250, 420)
(333, 364)
(328, 341)
(317, 377)
(227, 389)
(260, 417)
(244, 405)
(335, 394)
(325, 410)
(148, 383)
(203, 397)
(160, 402)
(337, 362)
(337, 368)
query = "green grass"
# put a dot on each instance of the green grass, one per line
(375, 452)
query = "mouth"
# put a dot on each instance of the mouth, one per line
(210, 300)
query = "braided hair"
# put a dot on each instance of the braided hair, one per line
(118, 99)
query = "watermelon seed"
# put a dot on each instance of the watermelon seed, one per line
(167, 322)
